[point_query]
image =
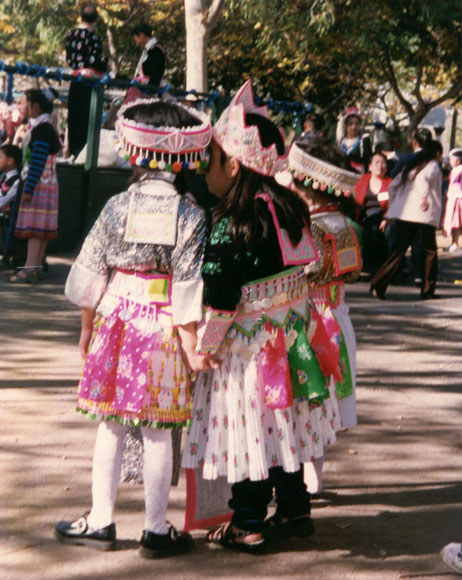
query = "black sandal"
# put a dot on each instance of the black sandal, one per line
(279, 527)
(227, 537)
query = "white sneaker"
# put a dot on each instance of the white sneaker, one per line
(454, 249)
(452, 556)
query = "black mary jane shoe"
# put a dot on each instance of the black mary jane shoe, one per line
(81, 534)
(162, 545)
(228, 536)
(279, 527)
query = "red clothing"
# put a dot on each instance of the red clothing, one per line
(361, 191)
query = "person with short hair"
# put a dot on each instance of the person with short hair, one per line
(84, 54)
(10, 192)
(151, 65)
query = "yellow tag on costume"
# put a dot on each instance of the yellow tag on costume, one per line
(158, 290)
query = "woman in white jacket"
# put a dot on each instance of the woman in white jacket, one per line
(415, 204)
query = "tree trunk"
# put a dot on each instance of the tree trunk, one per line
(196, 45)
(415, 120)
(199, 21)
(113, 60)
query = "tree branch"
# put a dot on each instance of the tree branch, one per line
(394, 83)
(213, 13)
(418, 83)
(452, 93)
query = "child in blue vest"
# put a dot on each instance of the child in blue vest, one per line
(10, 189)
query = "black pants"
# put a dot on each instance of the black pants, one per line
(78, 114)
(375, 248)
(405, 233)
(250, 499)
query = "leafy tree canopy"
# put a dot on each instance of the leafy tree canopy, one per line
(331, 53)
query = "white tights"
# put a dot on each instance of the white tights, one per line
(157, 474)
(313, 475)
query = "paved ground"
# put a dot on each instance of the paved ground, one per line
(394, 491)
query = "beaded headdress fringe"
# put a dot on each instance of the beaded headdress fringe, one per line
(319, 174)
(163, 148)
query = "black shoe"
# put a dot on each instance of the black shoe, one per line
(278, 527)
(81, 534)
(161, 545)
(427, 296)
(377, 293)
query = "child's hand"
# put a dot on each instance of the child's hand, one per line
(27, 197)
(425, 205)
(197, 362)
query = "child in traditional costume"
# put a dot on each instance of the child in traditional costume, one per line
(452, 222)
(252, 422)
(138, 282)
(10, 195)
(38, 211)
(322, 180)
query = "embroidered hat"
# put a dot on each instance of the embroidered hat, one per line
(457, 153)
(152, 147)
(319, 174)
(351, 112)
(242, 141)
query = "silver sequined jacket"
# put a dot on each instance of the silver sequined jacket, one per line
(178, 250)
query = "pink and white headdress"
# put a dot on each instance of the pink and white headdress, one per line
(237, 139)
(319, 174)
(153, 147)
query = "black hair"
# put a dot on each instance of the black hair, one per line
(421, 158)
(248, 220)
(39, 97)
(162, 114)
(89, 12)
(322, 149)
(378, 152)
(142, 28)
(316, 120)
(13, 152)
(422, 136)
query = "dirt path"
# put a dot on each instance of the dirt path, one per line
(394, 492)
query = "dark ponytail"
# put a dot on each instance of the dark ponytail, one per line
(421, 158)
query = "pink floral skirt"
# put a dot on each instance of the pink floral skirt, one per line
(134, 371)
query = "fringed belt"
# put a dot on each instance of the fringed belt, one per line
(273, 292)
(328, 295)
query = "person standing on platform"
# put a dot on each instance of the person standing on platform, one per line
(84, 54)
(151, 65)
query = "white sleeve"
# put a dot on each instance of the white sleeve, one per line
(9, 197)
(84, 287)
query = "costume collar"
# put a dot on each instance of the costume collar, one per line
(43, 118)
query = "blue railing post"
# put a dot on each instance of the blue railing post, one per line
(9, 88)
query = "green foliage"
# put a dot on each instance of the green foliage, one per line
(331, 53)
